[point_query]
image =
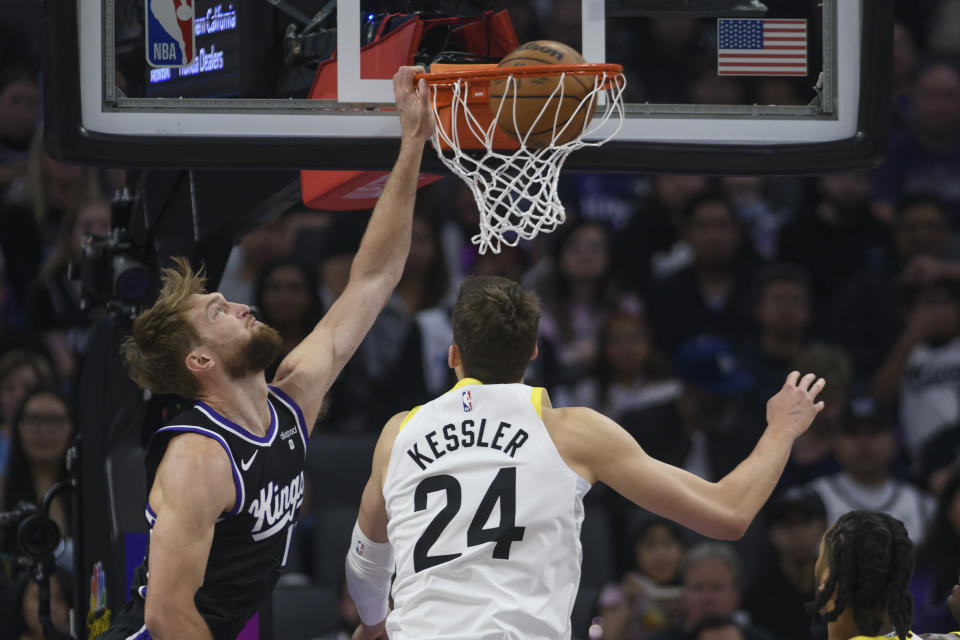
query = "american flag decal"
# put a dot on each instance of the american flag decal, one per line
(762, 47)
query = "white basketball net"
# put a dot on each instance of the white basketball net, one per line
(516, 190)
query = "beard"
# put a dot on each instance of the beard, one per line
(261, 350)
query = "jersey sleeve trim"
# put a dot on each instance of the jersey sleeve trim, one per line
(298, 414)
(237, 482)
(409, 415)
(536, 397)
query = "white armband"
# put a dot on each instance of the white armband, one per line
(369, 568)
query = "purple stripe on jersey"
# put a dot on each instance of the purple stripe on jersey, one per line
(233, 426)
(142, 634)
(296, 409)
(237, 482)
(151, 516)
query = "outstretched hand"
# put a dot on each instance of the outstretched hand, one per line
(795, 406)
(417, 120)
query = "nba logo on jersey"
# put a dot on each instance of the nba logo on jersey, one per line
(467, 402)
(170, 35)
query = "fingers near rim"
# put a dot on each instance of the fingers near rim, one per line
(806, 381)
(819, 406)
(792, 378)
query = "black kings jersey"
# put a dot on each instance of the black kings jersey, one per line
(251, 542)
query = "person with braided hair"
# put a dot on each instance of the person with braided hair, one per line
(863, 576)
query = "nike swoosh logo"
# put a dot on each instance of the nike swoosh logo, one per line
(245, 464)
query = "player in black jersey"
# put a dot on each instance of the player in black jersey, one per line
(226, 476)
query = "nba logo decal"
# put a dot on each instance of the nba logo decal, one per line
(467, 402)
(170, 34)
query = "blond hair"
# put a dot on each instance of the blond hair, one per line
(162, 336)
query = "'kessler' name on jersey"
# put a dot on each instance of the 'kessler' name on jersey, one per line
(470, 433)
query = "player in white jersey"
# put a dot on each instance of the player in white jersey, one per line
(479, 492)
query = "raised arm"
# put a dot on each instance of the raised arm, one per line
(183, 532)
(599, 449)
(307, 373)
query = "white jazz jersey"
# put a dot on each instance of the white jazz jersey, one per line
(484, 519)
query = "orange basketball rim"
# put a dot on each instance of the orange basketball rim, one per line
(513, 175)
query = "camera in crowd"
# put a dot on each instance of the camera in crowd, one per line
(113, 270)
(27, 533)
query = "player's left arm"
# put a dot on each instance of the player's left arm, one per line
(309, 370)
(369, 562)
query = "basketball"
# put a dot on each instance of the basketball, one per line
(531, 105)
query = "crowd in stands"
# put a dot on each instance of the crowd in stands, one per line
(675, 304)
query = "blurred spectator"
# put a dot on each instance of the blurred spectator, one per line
(762, 216)
(20, 371)
(865, 317)
(926, 156)
(812, 453)
(649, 246)
(704, 430)
(19, 109)
(904, 71)
(866, 447)
(711, 576)
(922, 370)
(795, 522)
(938, 560)
(838, 237)
(509, 262)
(648, 597)
(346, 404)
(21, 253)
(460, 218)
(405, 353)
(709, 296)
(287, 294)
(607, 198)
(939, 459)
(42, 433)
(53, 306)
(577, 294)
(629, 375)
(52, 189)
(781, 309)
(23, 623)
(718, 628)
(270, 241)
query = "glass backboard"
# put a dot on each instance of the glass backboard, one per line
(720, 86)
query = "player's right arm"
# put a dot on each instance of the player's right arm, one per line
(600, 450)
(368, 572)
(192, 488)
